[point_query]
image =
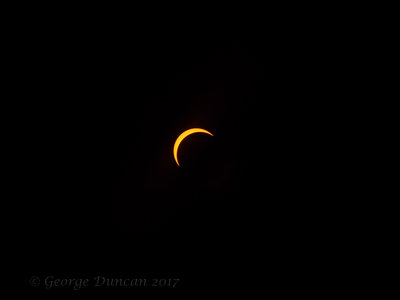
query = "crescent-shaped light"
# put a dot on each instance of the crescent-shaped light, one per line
(183, 136)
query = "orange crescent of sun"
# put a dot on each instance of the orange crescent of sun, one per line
(183, 136)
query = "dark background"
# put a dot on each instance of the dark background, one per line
(100, 191)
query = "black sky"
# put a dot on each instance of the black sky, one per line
(103, 192)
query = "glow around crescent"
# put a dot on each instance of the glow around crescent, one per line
(183, 136)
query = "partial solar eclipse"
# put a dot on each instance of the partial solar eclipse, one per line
(183, 136)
